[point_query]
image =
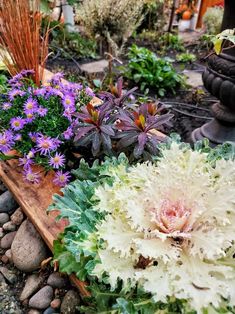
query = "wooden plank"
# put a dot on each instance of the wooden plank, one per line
(34, 199)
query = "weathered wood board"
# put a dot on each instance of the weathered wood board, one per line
(34, 200)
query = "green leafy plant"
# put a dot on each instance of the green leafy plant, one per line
(179, 240)
(70, 44)
(169, 41)
(148, 70)
(186, 57)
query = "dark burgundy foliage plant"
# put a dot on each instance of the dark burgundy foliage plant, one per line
(94, 128)
(117, 98)
(137, 129)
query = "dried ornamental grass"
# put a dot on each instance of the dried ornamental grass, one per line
(22, 45)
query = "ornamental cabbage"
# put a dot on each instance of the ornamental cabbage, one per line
(165, 226)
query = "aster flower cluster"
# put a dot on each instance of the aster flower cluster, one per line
(38, 122)
(164, 228)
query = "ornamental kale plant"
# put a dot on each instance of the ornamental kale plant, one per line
(38, 122)
(148, 70)
(154, 237)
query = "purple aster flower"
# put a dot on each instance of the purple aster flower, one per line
(25, 162)
(56, 142)
(31, 176)
(30, 106)
(17, 123)
(15, 92)
(68, 101)
(30, 117)
(6, 141)
(42, 111)
(61, 178)
(31, 153)
(89, 92)
(57, 161)
(33, 136)
(18, 137)
(56, 78)
(27, 72)
(76, 86)
(6, 105)
(39, 91)
(45, 145)
(68, 133)
(53, 92)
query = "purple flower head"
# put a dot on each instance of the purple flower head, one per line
(18, 137)
(30, 117)
(68, 133)
(15, 92)
(61, 178)
(89, 92)
(17, 123)
(31, 176)
(6, 141)
(45, 145)
(30, 106)
(56, 142)
(42, 111)
(53, 92)
(76, 86)
(39, 91)
(57, 161)
(25, 162)
(33, 136)
(6, 105)
(31, 153)
(27, 72)
(68, 101)
(57, 78)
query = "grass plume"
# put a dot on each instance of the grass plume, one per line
(22, 46)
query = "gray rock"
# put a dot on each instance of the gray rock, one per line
(9, 275)
(4, 217)
(42, 299)
(7, 202)
(94, 67)
(28, 249)
(9, 226)
(70, 303)
(9, 255)
(17, 217)
(1, 232)
(33, 311)
(7, 240)
(50, 310)
(2, 279)
(2, 187)
(32, 284)
(56, 280)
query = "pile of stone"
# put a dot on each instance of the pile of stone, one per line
(26, 286)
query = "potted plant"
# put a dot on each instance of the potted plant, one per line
(185, 13)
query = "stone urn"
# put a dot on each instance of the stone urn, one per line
(219, 80)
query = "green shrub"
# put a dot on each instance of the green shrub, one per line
(70, 43)
(114, 21)
(148, 70)
(213, 20)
